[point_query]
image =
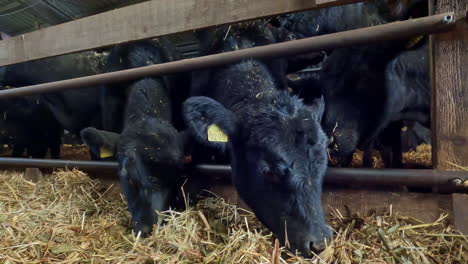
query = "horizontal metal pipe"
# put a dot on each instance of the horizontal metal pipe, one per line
(449, 180)
(415, 178)
(446, 180)
(390, 31)
(52, 163)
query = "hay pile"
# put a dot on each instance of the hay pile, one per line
(422, 156)
(75, 152)
(419, 158)
(70, 218)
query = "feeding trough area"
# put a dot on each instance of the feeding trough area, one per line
(70, 218)
(85, 204)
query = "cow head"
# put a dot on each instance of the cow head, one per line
(278, 153)
(150, 157)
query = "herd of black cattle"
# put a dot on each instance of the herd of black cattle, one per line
(274, 122)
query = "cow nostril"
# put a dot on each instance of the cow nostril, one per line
(317, 246)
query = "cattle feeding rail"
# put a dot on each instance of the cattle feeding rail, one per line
(444, 181)
(448, 140)
(390, 31)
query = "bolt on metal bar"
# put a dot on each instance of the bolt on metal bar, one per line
(390, 31)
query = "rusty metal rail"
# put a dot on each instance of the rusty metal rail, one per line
(390, 31)
(447, 181)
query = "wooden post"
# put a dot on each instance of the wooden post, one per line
(450, 92)
(449, 72)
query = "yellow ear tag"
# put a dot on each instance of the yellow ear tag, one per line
(215, 134)
(404, 128)
(290, 90)
(412, 42)
(105, 153)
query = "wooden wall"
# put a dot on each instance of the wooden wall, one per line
(449, 72)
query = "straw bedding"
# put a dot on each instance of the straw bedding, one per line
(70, 218)
(75, 152)
(421, 157)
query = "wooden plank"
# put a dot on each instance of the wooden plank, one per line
(426, 207)
(142, 21)
(460, 212)
(450, 91)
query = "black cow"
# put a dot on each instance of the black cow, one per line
(358, 100)
(414, 134)
(114, 96)
(29, 126)
(276, 145)
(149, 149)
(347, 17)
(407, 99)
(369, 94)
(242, 36)
(75, 109)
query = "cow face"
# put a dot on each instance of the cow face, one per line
(278, 162)
(150, 157)
(342, 125)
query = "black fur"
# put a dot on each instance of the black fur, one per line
(149, 149)
(30, 127)
(277, 149)
(364, 97)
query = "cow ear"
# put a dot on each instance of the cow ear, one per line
(318, 107)
(209, 121)
(101, 143)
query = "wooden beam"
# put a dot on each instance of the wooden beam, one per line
(142, 21)
(460, 212)
(426, 207)
(449, 72)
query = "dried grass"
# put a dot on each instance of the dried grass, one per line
(422, 156)
(419, 158)
(70, 218)
(75, 152)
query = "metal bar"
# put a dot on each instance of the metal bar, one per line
(446, 180)
(390, 31)
(52, 163)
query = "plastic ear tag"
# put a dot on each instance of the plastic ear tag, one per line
(105, 153)
(404, 128)
(290, 90)
(215, 134)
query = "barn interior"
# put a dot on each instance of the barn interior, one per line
(59, 214)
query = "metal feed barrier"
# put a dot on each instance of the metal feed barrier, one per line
(444, 181)
(449, 181)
